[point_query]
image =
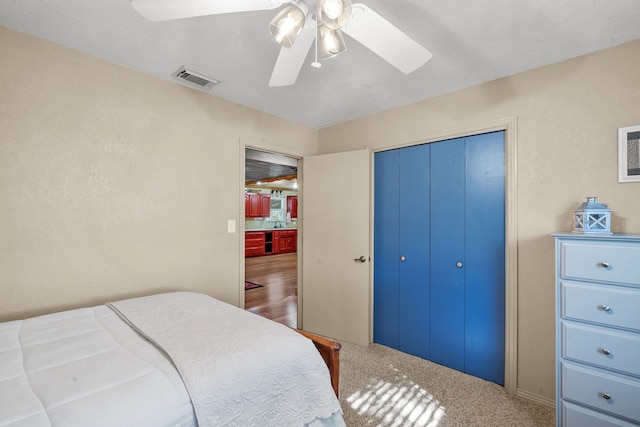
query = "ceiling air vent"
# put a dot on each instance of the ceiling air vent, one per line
(195, 79)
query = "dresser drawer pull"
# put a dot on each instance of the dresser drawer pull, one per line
(604, 264)
(605, 395)
(604, 307)
(605, 351)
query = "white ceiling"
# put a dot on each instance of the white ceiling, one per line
(472, 41)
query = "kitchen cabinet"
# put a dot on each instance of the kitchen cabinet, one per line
(254, 243)
(270, 242)
(286, 241)
(292, 206)
(597, 330)
(265, 205)
(439, 253)
(257, 205)
(251, 205)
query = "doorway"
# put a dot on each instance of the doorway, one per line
(271, 255)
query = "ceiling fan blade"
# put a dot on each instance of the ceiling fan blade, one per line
(290, 60)
(385, 39)
(164, 10)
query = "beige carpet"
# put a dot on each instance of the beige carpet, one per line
(380, 386)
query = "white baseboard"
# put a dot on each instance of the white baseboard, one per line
(540, 399)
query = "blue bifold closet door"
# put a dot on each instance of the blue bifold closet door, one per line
(467, 261)
(401, 250)
(441, 207)
(447, 280)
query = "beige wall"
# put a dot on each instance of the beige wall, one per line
(567, 119)
(114, 183)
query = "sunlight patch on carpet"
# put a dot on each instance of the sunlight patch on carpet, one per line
(398, 403)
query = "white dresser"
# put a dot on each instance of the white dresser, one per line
(597, 330)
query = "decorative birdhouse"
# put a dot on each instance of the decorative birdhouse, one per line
(592, 217)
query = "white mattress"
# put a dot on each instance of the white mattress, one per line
(86, 367)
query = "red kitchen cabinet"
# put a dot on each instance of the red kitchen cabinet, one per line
(286, 241)
(259, 243)
(257, 205)
(253, 243)
(247, 205)
(265, 205)
(292, 206)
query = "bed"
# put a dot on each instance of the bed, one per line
(174, 359)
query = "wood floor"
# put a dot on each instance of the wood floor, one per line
(277, 299)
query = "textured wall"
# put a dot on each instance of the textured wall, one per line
(114, 183)
(567, 117)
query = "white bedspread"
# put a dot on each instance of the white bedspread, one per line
(239, 368)
(86, 368)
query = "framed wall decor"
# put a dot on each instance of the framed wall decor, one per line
(629, 154)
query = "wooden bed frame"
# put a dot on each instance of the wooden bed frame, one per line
(330, 352)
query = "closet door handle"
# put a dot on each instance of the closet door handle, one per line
(403, 258)
(459, 264)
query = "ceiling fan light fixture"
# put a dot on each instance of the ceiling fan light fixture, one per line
(334, 14)
(287, 24)
(330, 42)
(332, 8)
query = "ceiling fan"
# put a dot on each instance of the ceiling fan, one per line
(301, 23)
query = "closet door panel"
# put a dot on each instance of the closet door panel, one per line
(439, 253)
(386, 248)
(485, 254)
(447, 277)
(414, 247)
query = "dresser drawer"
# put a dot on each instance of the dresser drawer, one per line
(577, 416)
(590, 387)
(602, 261)
(608, 305)
(602, 347)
